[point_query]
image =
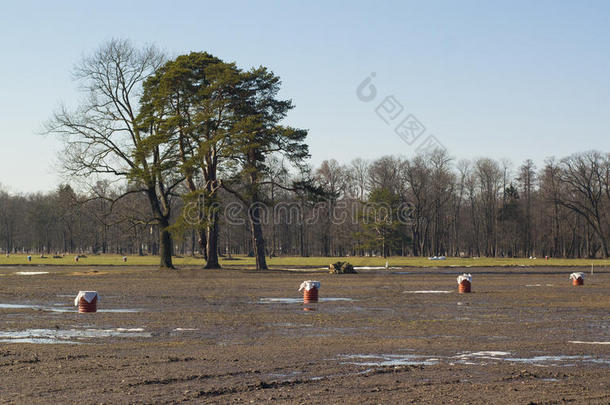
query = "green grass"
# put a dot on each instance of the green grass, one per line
(295, 261)
(95, 260)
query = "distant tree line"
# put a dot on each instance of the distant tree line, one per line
(423, 206)
(64, 222)
(473, 208)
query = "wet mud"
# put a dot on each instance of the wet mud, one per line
(241, 336)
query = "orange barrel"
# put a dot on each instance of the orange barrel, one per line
(577, 278)
(86, 301)
(310, 290)
(464, 287)
(84, 306)
(310, 295)
(464, 283)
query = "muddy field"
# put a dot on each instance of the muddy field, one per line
(239, 336)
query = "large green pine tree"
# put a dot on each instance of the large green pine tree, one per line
(191, 100)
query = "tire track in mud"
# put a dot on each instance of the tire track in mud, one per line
(263, 385)
(192, 377)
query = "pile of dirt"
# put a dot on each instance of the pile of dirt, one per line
(342, 268)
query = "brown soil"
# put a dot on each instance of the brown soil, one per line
(506, 342)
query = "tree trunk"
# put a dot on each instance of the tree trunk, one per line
(162, 212)
(257, 237)
(202, 242)
(273, 244)
(165, 246)
(604, 242)
(212, 245)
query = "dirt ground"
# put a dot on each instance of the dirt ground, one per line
(524, 335)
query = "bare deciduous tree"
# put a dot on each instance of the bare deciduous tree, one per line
(103, 138)
(584, 179)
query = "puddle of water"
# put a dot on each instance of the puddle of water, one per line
(485, 354)
(16, 306)
(545, 359)
(428, 292)
(61, 308)
(54, 308)
(539, 360)
(74, 295)
(39, 341)
(293, 325)
(31, 273)
(298, 300)
(538, 285)
(185, 329)
(121, 330)
(336, 299)
(470, 358)
(578, 342)
(281, 300)
(382, 360)
(48, 336)
(290, 374)
(599, 361)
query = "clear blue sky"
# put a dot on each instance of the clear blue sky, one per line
(513, 79)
